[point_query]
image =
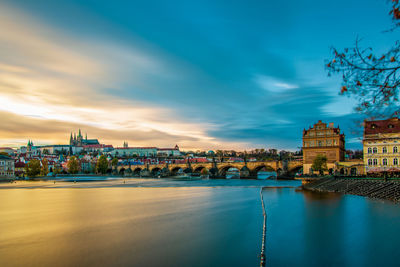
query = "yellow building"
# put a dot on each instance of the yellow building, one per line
(381, 145)
(322, 139)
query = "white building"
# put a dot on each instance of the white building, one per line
(168, 152)
(134, 151)
(7, 167)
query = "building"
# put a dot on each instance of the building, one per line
(169, 152)
(381, 145)
(19, 169)
(78, 140)
(6, 167)
(322, 139)
(134, 151)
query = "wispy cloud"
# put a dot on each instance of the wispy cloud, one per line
(272, 84)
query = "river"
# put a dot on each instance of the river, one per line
(153, 222)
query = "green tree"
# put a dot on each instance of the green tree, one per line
(102, 164)
(32, 168)
(45, 167)
(114, 162)
(374, 79)
(73, 165)
(319, 163)
(45, 151)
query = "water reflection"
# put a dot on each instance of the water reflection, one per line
(315, 229)
(130, 227)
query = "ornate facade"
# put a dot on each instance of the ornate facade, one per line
(322, 139)
(381, 145)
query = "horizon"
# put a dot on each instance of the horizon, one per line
(205, 75)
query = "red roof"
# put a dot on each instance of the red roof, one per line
(391, 125)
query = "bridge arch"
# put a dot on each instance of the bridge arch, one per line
(223, 170)
(175, 170)
(155, 171)
(122, 171)
(136, 171)
(198, 169)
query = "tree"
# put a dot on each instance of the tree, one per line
(45, 167)
(373, 79)
(32, 168)
(102, 164)
(73, 165)
(319, 163)
(45, 151)
(114, 162)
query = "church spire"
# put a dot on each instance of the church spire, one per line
(79, 135)
(86, 136)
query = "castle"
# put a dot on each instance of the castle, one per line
(80, 141)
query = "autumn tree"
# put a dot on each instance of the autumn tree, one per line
(73, 165)
(32, 168)
(374, 79)
(102, 164)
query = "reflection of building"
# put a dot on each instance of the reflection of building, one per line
(6, 166)
(381, 145)
(322, 139)
(80, 141)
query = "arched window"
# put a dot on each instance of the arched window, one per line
(384, 150)
(375, 162)
(384, 162)
(370, 162)
(395, 161)
(374, 150)
(369, 150)
(395, 149)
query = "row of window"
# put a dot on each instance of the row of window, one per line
(384, 162)
(384, 150)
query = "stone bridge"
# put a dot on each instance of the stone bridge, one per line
(247, 169)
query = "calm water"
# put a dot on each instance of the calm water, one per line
(150, 222)
(309, 229)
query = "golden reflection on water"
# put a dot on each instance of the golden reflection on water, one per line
(128, 226)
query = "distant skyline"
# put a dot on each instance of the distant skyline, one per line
(200, 74)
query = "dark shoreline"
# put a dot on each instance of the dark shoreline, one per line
(376, 189)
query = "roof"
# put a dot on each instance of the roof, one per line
(391, 125)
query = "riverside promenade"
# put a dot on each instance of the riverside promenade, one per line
(378, 189)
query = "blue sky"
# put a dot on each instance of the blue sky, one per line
(203, 74)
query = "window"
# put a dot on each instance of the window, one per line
(390, 126)
(395, 149)
(375, 162)
(384, 150)
(319, 143)
(369, 162)
(369, 150)
(374, 150)
(384, 162)
(395, 161)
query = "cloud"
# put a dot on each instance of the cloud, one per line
(272, 84)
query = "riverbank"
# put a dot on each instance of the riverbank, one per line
(378, 189)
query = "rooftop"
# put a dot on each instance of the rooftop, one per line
(391, 125)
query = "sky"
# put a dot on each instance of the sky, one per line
(200, 74)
